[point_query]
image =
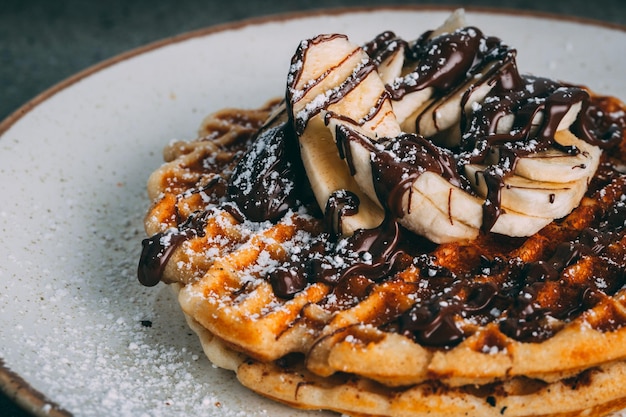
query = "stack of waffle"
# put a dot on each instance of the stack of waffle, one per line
(323, 290)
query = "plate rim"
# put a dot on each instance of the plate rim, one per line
(16, 388)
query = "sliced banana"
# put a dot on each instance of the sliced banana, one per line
(506, 124)
(427, 205)
(534, 198)
(387, 52)
(444, 113)
(324, 80)
(556, 165)
(434, 223)
(432, 206)
(408, 105)
(319, 65)
(405, 105)
(353, 137)
(327, 174)
(462, 207)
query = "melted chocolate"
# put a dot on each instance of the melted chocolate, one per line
(546, 294)
(397, 162)
(599, 125)
(530, 97)
(158, 248)
(340, 204)
(263, 184)
(371, 253)
(433, 322)
(262, 187)
(518, 296)
(384, 46)
(448, 60)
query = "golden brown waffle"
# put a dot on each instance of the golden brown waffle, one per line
(322, 349)
(497, 325)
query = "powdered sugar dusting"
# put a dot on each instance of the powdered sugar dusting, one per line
(78, 327)
(105, 345)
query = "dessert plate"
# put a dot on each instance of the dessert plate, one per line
(78, 334)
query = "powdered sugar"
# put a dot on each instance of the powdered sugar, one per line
(76, 324)
(104, 345)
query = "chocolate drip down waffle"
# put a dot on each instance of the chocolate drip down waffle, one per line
(416, 229)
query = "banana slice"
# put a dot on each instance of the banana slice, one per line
(445, 113)
(407, 100)
(423, 201)
(534, 198)
(328, 174)
(324, 76)
(554, 165)
(318, 65)
(434, 222)
(451, 61)
(534, 131)
(387, 52)
(506, 123)
(464, 208)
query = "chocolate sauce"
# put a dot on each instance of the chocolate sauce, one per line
(432, 323)
(397, 162)
(601, 123)
(384, 46)
(340, 204)
(546, 294)
(262, 187)
(523, 297)
(264, 182)
(371, 253)
(158, 248)
(287, 281)
(518, 296)
(448, 60)
(530, 97)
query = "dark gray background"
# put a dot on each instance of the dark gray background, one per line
(43, 42)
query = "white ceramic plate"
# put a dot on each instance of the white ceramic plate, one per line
(73, 167)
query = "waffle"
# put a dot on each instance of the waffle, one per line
(493, 325)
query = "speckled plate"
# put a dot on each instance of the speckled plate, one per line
(78, 334)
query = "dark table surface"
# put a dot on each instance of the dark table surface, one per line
(43, 42)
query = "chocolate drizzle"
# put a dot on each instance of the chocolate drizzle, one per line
(263, 184)
(432, 322)
(448, 60)
(371, 253)
(384, 46)
(340, 204)
(531, 100)
(545, 294)
(601, 123)
(518, 296)
(397, 162)
(533, 97)
(262, 187)
(158, 248)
